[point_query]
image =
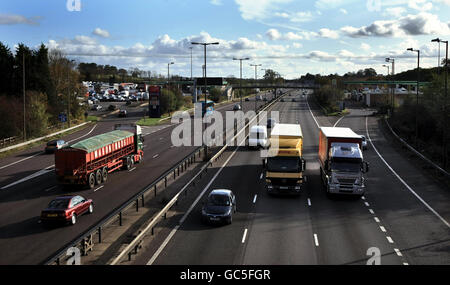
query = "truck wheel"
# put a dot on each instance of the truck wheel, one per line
(105, 174)
(129, 163)
(91, 182)
(98, 177)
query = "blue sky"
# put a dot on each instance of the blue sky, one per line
(291, 37)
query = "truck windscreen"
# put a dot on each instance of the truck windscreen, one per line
(283, 164)
(346, 165)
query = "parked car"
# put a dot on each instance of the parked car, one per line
(112, 107)
(364, 142)
(67, 209)
(219, 207)
(54, 145)
(237, 107)
(96, 107)
(271, 123)
(122, 113)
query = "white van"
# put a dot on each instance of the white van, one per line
(258, 137)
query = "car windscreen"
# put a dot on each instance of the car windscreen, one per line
(218, 200)
(59, 204)
(283, 164)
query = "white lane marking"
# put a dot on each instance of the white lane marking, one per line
(376, 219)
(245, 234)
(382, 229)
(389, 239)
(161, 139)
(316, 240)
(371, 211)
(156, 155)
(51, 188)
(338, 121)
(364, 198)
(397, 251)
(309, 202)
(367, 204)
(312, 112)
(26, 158)
(403, 181)
(99, 188)
(261, 177)
(132, 169)
(405, 263)
(172, 233)
(34, 175)
(83, 135)
(8, 165)
(254, 199)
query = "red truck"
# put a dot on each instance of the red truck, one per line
(89, 162)
(342, 166)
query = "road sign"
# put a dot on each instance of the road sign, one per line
(62, 118)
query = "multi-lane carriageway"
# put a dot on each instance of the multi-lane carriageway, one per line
(27, 184)
(404, 213)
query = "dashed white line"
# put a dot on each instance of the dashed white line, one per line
(403, 181)
(389, 239)
(367, 204)
(99, 188)
(376, 219)
(383, 229)
(245, 234)
(309, 202)
(397, 251)
(51, 188)
(364, 198)
(261, 177)
(254, 199)
(371, 211)
(132, 169)
(316, 240)
(156, 155)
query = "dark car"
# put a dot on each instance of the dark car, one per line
(112, 107)
(237, 107)
(271, 123)
(122, 113)
(247, 99)
(66, 209)
(219, 207)
(54, 145)
(265, 99)
(282, 100)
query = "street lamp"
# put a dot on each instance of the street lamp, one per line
(204, 46)
(191, 61)
(437, 40)
(417, 89)
(168, 69)
(68, 91)
(445, 98)
(384, 65)
(240, 81)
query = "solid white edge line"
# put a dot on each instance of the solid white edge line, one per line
(243, 237)
(338, 121)
(307, 103)
(29, 177)
(402, 181)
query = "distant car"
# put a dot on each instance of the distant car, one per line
(294, 100)
(237, 107)
(271, 123)
(67, 209)
(259, 98)
(112, 107)
(96, 107)
(54, 145)
(219, 207)
(265, 99)
(282, 100)
(122, 113)
(364, 142)
(247, 99)
(128, 102)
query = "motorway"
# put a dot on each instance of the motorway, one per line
(28, 183)
(403, 216)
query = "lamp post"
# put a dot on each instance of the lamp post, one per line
(191, 61)
(23, 82)
(417, 90)
(256, 78)
(240, 81)
(168, 72)
(204, 46)
(384, 65)
(445, 99)
(392, 60)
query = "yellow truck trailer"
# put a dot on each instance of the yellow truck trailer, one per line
(284, 165)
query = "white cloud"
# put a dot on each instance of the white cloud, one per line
(216, 2)
(297, 45)
(326, 33)
(394, 11)
(12, 19)
(274, 35)
(258, 9)
(300, 17)
(101, 33)
(365, 46)
(343, 11)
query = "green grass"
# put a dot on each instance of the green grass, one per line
(151, 121)
(92, 119)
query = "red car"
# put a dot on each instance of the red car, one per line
(67, 209)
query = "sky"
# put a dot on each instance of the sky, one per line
(289, 36)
